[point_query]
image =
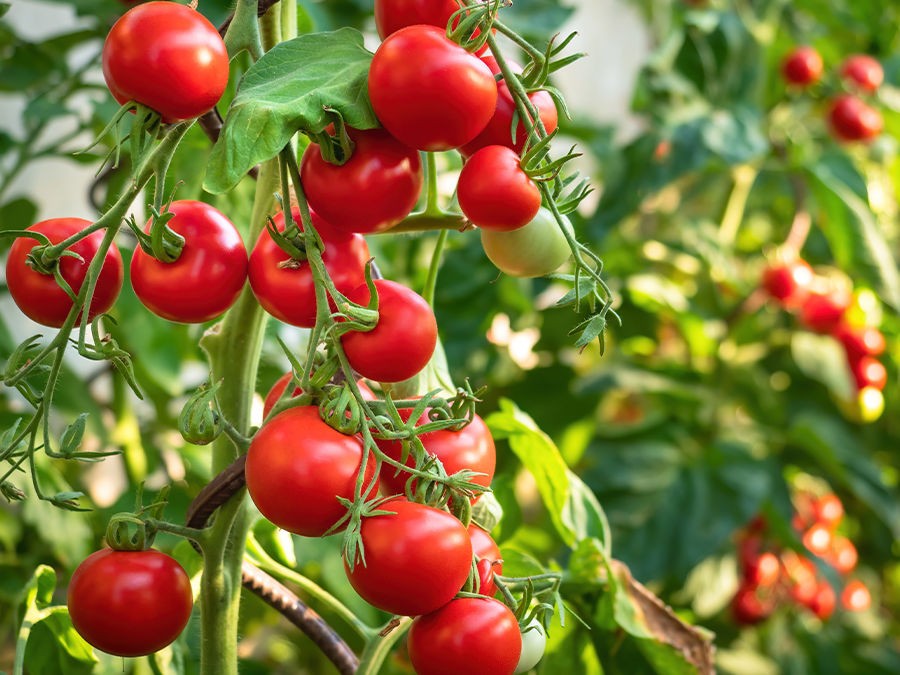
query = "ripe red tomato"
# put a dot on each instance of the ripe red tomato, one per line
(863, 71)
(851, 119)
(483, 544)
(499, 129)
(763, 571)
(208, 275)
(472, 448)
(802, 67)
(537, 249)
(486, 584)
(402, 341)
(415, 560)
(828, 510)
(856, 596)
(860, 341)
(823, 601)
(801, 575)
(748, 608)
(822, 312)
(297, 467)
(868, 372)
(392, 15)
(39, 297)
(429, 92)
(168, 57)
(788, 282)
(817, 539)
(373, 191)
(277, 390)
(494, 192)
(284, 287)
(476, 636)
(842, 555)
(129, 603)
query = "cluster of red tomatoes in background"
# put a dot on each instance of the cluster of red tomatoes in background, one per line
(823, 306)
(772, 576)
(850, 116)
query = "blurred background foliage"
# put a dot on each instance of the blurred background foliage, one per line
(711, 405)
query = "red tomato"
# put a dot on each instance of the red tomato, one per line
(476, 636)
(373, 191)
(499, 129)
(402, 341)
(856, 596)
(277, 390)
(39, 297)
(415, 560)
(748, 608)
(863, 71)
(851, 119)
(868, 372)
(801, 575)
(828, 510)
(860, 341)
(788, 282)
(392, 15)
(472, 448)
(168, 57)
(822, 312)
(486, 584)
(495, 193)
(483, 544)
(802, 67)
(429, 92)
(842, 555)
(297, 467)
(763, 571)
(208, 275)
(823, 601)
(129, 603)
(817, 539)
(284, 287)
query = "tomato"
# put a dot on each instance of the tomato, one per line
(864, 407)
(499, 129)
(416, 560)
(851, 119)
(39, 297)
(476, 636)
(868, 372)
(208, 275)
(472, 448)
(168, 57)
(829, 511)
(277, 391)
(429, 92)
(856, 596)
(285, 288)
(484, 546)
(402, 341)
(822, 312)
(486, 584)
(748, 608)
(129, 603)
(823, 601)
(802, 67)
(392, 15)
(817, 539)
(534, 642)
(537, 249)
(763, 570)
(863, 71)
(788, 282)
(297, 467)
(372, 191)
(494, 192)
(860, 341)
(842, 555)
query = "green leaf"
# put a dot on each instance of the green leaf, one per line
(16, 214)
(288, 90)
(54, 647)
(822, 358)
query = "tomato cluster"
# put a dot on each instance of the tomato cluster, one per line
(850, 115)
(825, 305)
(772, 576)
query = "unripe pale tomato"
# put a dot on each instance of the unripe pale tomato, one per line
(537, 249)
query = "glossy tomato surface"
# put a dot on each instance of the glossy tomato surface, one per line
(494, 192)
(38, 295)
(277, 391)
(372, 191)
(129, 603)
(416, 560)
(284, 287)
(863, 71)
(402, 341)
(208, 275)
(429, 92)
(499, 128)
(392, 15)
(475, 636)
(788, 282)
(802, 67)
(298, 466)
(852, 119)
(534, 250)
(168, 57)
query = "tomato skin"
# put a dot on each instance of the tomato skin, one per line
(472, 447)
(429, 92)
(402, 341)
(416, 561)
(788, 282)
(296, 468)
(828, 510)
(802, 67)
(534, 643)
(860, 341)
(856, 596)
(476, 636)
(822, 312)
(842, 555)
(282, 382)
(208, 275)
(392, 15)
(823, 601)
(763, 571)
(863, 71)
(498, 129)
(286, 290)
(373, 191)
(168, 57)
(38, 295)
(851, 119)
(495, 193)
(534, 250)
(747, 608)
(868, 372)
(129, 603)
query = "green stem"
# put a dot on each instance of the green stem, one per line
(428, 222)
(377, 650)
(434, 267)
(744, 177)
